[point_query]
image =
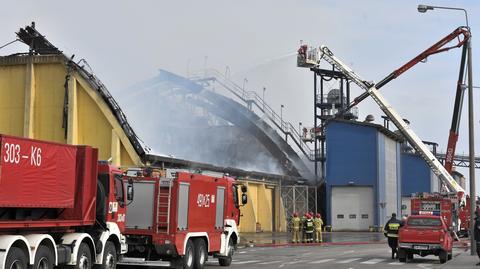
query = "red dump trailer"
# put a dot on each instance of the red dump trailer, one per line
(182, 218)
(55, 207)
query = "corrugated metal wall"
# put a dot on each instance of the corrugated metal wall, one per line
(362, 156)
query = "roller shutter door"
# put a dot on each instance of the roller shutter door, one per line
(352, 208)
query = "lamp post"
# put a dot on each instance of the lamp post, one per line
(281, 116)
(471, 128)
(205, 65)
(263, 98)
(227, 71)
(244, 82)
(425, 8)
(300, 129)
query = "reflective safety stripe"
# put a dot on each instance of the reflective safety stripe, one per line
(393, 226)
(392, 235)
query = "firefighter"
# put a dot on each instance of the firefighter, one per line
(318, 223)
(303, 220)
(391, 232)
(309, 228)
(296, 228)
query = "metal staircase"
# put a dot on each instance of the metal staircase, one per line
(250, 99)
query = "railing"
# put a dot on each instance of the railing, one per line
(251, 97)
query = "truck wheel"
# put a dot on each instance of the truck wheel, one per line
(44, 258)
(443, 256)
(109, 256)
(200, 253)
(16, 259)
(226, 261)
(84, 257)
(410, 256)
(189, 256)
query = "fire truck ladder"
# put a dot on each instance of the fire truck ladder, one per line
(163, 206)
(403, 127)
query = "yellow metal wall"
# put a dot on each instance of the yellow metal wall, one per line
(32, 91)
(48, 101)
(260, 211)
(97, 132)
(12, 101)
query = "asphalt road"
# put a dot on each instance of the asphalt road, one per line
(349, 257)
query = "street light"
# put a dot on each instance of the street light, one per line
(244, 81)
(281, 116)
(471, 126)
(425, 8)
(300, 129)
(263, 98)
(188, 67)
(227, 71)
(205, 65)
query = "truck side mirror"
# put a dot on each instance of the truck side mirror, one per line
(244, 198)
(244, 189)
(130, 192)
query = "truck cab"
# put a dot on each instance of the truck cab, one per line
(425, 235)
(111, 195)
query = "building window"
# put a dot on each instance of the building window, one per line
(364, 216)
(352, 216)
(340, 216)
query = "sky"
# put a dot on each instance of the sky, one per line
(126, 42)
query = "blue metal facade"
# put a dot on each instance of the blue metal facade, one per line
(361, 154)
(351, 158)
(415, 174)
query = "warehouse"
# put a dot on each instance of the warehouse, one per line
(363, 174)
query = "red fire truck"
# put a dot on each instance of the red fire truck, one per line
(53, 210)
(182, 215)
(437, 204)
(60, 207)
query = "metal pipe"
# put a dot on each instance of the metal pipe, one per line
(471, 147)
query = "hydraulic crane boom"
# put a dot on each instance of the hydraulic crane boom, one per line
(434, 49)
(403, 127)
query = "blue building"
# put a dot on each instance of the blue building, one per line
(363, 174)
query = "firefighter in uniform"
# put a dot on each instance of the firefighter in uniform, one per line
(296, 228)
(309, 228)
(303, 220)
(391, 232)
(318, 223)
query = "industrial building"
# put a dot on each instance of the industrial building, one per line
(363, 174)
(49, 96)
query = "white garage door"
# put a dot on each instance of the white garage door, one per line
(352, 208)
